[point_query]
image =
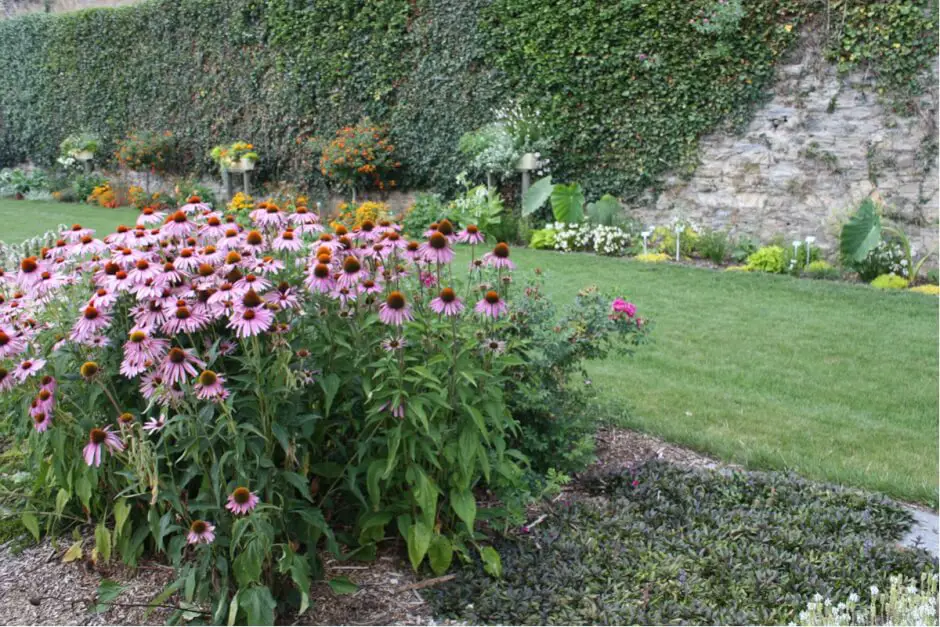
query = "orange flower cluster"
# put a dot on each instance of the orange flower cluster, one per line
(360, 157)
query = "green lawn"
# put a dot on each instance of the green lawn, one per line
(22, 219)
(832, 380)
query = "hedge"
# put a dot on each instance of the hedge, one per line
(626, 87)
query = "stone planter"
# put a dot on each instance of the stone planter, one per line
(526, 162)
(84, 155)
(247, 165)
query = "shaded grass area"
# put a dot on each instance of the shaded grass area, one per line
(22, 219)
(835, 381)
(663, 545)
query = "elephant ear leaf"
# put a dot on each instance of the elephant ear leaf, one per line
(861, 233)
(603, 211)
(568, 203)
(536, 195)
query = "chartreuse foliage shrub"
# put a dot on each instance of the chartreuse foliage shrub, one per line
(671, 546)
(890, 282)
(622, 89)
(238, 399)
(768, 259)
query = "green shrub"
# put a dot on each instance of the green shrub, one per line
(663, 240)
(933, 276)
(665, 546)
(823, 270)
(542, 239)
(713, 245)
(744, 247)
(768, 259)
(84, 184)
(426, 209)
(890, 282)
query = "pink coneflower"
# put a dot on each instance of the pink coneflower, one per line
(352, 272)
(248, 322)
(178, 225)
(30, 271)
(268, 214)
(148, 315)
(447, 303)
(201, 532)
(184, 319)
(370, 286)
(251, 282)
(48, 283)
(47, 383)
(320, 279)
(178, 363)
(97, 440)
(11, 342)
(412, 251)
(103, 298)
(620, 305)
(471, 235)
(241, 501)
(393, 239)
(491, 305)
(28, 368)
(499, 258)
(395, 310)
(150, 216)
(287, 241)
(284, 297)
(428, 279)
(211, 255)
(45, 401)
(210, 386)
(85, 245)
(142, 271)
(187, 261)
(344, 295)
(213, 229)
(7, 380)
(330, 243)
(91, 323)
(42, 420)
(77, 232)
(393, 344)
(231, 240)
(437, 249)
(270, 265)
(155, 424)
(194, 204)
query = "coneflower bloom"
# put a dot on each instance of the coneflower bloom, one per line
(77, 232)
(184, 319)
(254, 240)
(48, 384)
(149, 216)
(42, 420)
(284, 297)
(148, 315)
(11, 342)
(28, 368)
(45, 401)
(30, 271)
(142, 271)
(499, 258)
(7, 380)
(241, 501)
(103, 298)
(88, 370)
(251, 282)
(91, 322)
(178, 225)
(352, 272)
(201, 532)
(268, 214)
(87, 244)
(447, 303)
(211, 255)
(320, 279)
(194, 204)
(445, 228)
(471, 235)
(178, 363)
(210, 386)
(97, 440)
(287, 241)
(370, 286)
(395, 310)
(393, 344)
(494, 346)
(432, 229)
(491, 305)
(186, 260)
(248, 322)
(213, 229)
(232, 239)
(155, 424)
(437, 249)
(270, 265)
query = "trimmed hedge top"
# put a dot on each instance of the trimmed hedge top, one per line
(625, 87)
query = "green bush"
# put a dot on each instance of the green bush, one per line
(768, 259)
(542, 239)
(713, 245)
(890, 282)
(822, 270)
(933, 276)
(663, 240)
(426, 209)
(666, 546)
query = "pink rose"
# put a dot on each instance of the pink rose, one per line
(621, 306)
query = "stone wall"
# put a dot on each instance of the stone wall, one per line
(808, 157)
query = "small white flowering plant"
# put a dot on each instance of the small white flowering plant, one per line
(906, 602)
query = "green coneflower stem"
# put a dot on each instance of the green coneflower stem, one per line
(110, 397)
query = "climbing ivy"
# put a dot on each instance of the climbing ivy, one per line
(625, 87)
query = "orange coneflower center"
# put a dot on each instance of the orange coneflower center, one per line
(126, 417)
(231, 233)
(445, 227)
(395, 300)
(208, 250)
(433, 226)
(283, 286)
(251, 299)
(147, 211)
(90, 313)
(340, 230)
(182, 313)
(88, 369)
(232, 257)
(3, 373)
(321, 271)
(142, 264)
(206, 270)
(111, 268)
(413, 246)
(326, 237)
(169, 267)
(179, 217)
(186, 253)
(472, 229)
(76, 227)
(241, 495)
(288, 235)
(198, 527)
(351, 265)
(254, 238)
(438, 241)
(98, 436)
(177, 355)
(86, 239)
(193, 199)
(501, 250)
(29, 265)
(448, 295)
(368, 284)
(4, 339)
(46, 380)
(392, 236)
(213, 221)
(249, 314)
(39, 417)
(366, 226)
(138, 336)
(492, 297)
(208, 378)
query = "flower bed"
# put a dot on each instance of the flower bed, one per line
(238, 392)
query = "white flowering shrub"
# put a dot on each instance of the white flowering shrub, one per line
(888, 257)
(586, 237)
(904, 603)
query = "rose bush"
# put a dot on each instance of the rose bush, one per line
(241, 392)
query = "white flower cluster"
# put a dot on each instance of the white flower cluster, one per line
(905, 603)
(12, 254)
(889, 255)
(603, 240)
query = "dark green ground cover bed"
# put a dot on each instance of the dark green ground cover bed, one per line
(664, 545)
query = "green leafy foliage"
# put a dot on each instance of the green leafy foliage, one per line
(890, 282)
(603, 212)
(768, 259)
(713, 245)
(537, 195)
(568, 203)
(861, 233)
(821, 269)
(542, 239)
(664, 545)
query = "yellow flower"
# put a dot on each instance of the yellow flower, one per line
(930, 289)
(788, 27)
(653, 257)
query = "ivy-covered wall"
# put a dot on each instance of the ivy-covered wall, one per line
(625, 87)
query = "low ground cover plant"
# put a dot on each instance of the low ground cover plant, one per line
(238, 392)
(664, 545)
